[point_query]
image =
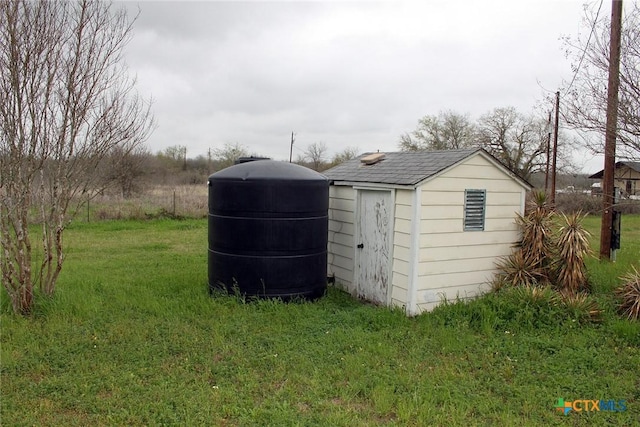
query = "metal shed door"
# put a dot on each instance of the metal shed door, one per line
(373, 238)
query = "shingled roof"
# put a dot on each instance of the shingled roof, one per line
(400, 168)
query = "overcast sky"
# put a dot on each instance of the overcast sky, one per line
(349, 74)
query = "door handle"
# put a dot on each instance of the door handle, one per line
(361, 245)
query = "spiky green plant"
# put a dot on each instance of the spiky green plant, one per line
(582, 306)
(517, 270)
(537, 230)
(537, 294)
(629, 295)
(572, 243)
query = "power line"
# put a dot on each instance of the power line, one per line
(584, 52)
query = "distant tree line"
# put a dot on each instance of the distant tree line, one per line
(518, 140)
(130, 172)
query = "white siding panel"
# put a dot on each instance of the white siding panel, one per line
(402, 239)
(345, 251)
(403, 226)
(442, 212)
(468, 238)
(404, 197)
(501, 211)
(456, 198)
(401, 248)
(429, 299)
(342, 275)
(463, 252)
(399, 294)
(504, 198)
(446, 198)
(341, 239)
(341, 216)
(340, 248)
(457, 279)
(400, 280)
(342, 204)
(400, 252)
(401, 266)
(448, 183)
(478, 172)
(457, 212)
(441, 226)
(341, 261)
(341, 227)
(501, 224)
(466, 265)
(404, 212)
(342, 192)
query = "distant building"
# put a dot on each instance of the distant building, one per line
(627, 178)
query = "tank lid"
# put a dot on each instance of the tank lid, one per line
(267, 170)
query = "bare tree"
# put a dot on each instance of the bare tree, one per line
(174, 157)
(446, 131)
(126, 168)
(228, 154)
(518, 141)
(316, 155)
(66, 102)
(346, 154)
(585, 99)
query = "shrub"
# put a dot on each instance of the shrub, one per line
(518, 270)
(581, 307)
(572, 247)
(592, 205)
(629, 295)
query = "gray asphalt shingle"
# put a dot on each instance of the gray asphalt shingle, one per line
(400, 168)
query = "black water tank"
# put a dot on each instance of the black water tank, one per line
(268, 230)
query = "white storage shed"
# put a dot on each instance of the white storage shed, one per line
(411, 228)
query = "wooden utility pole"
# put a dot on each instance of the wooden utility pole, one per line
(291, 149)
(546, 174)
(611, 130)
(555, 152)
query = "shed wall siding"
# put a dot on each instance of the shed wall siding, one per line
(401, 247)
(340, 251)
(454, 263)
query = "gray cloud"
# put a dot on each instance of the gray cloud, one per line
(348, 74)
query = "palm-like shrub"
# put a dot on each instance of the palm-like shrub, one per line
(530, 264)
(629, 295)
(572, 244)
(517, 270)
(537, 230)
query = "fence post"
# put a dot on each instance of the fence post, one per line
(174, 202)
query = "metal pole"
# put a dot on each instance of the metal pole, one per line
(291, 149)
(611, 130)
(546, 174)
(555, 153)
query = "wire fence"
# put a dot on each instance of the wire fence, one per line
(184, 201)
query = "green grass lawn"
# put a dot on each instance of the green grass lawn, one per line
(133, 338)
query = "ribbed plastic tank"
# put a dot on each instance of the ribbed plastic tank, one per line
(268, 229)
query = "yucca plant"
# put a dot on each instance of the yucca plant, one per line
(537, 230)
(518, 270)
(629, 295)
(572, 248)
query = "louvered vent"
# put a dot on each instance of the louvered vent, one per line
(474, 206)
